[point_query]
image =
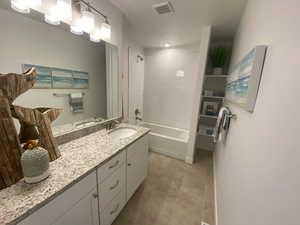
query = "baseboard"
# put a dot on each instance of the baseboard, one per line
(215, 189)
(189, 160)
(164, 152)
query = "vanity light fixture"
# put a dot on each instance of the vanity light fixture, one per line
(64, 8)
(52, 15)
(20, 6)
(88, 20)
(76, 26)
(34, 3)
(105, 30)
(82, 20)
(95, 35)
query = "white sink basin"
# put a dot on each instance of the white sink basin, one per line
(122, 132)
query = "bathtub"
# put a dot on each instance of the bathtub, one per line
(169, 141)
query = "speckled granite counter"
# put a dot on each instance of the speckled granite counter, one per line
(79, 158)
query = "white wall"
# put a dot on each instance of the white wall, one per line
(29, 41)
(196, 99)
(168, 99)
(258, 168)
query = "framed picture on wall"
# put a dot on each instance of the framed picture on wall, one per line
(80, 80)
(243, 81)
(210, 108)
(62, 78)
(44, 78)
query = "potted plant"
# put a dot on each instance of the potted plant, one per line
(218, 57)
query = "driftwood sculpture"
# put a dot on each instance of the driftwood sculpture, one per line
(40, 118)
(35, 124)
(10, 150)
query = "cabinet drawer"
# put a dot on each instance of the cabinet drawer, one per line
(139, 145)
(112, 186)
(113, 209)
(109, 167)
(62, 203)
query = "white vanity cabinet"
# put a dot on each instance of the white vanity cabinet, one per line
(73, 206)
(137, 164)
(119, 178)
(99, 197)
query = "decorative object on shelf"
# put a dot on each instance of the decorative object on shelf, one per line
(34, 122)
(208, 93)
(210, 108)
(206, 130)
(219, 57)
(81, 16)
(35, 162)
(243, 82)
(49, 77)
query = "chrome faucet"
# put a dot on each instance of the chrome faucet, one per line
(137, 112)
(111, 124)
(138, 118)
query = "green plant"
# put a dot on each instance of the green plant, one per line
(219, 56)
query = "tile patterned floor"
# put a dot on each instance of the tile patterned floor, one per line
(174, 193)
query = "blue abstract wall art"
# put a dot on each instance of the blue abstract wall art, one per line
(57, 78)
(44, 78)
(244, 79)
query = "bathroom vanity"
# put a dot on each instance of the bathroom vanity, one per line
(90, 184)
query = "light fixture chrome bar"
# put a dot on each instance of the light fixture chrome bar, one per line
(91, 7)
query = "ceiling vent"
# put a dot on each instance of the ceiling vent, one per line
(163, 8)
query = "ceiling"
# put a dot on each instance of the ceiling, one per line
(150, 29)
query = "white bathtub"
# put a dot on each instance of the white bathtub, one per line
(168, 140)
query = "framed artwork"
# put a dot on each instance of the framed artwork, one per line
(48, 77)
(210, 108)
(62, 78)
(244, 79)
(80, 80)
(44, 78)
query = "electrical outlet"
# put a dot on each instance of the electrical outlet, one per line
(203, 223)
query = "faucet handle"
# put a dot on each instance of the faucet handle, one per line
(137, 112)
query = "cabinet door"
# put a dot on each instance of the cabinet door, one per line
(60, 205)
(85, 212)
(137, 164)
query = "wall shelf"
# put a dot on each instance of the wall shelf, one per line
(208, 116)
(216, 76)
(216, 97)
(205, 135)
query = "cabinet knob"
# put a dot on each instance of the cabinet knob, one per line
(129, 164)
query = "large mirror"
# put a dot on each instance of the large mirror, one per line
(75, 74)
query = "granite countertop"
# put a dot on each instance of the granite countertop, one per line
(79, 158)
